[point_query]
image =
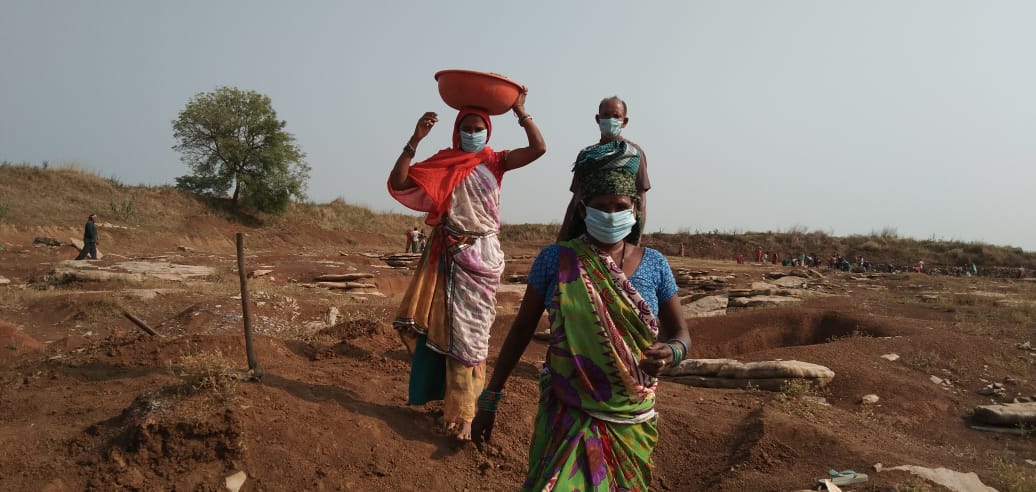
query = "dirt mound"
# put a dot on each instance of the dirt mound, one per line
(162, 436)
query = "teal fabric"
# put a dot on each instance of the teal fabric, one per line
(427, 374)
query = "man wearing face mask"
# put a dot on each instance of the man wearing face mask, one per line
(611, 118)
(449, 307)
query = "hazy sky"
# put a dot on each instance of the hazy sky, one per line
(848, 117)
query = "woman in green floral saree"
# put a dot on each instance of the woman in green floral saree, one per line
(596, 426)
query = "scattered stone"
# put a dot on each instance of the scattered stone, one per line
(890, 356)
(1010, 380)
(47, 241)
(993, 389)
(5, 281)
(184, 249)
(869, 399)
(1024, 346)
(235, 481)
(935, 379)
(928, 297)
(259, 273)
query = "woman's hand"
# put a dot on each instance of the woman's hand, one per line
(482, 428)
(519, 104)
(657, 358)
(425, 124)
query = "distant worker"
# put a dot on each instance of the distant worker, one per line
(89, 239)
(409, 240)
(422, 240)
(758, 255)
(611, 119)
(415, 239)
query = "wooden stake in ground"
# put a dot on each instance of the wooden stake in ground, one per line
(253, 364)
(141, 324)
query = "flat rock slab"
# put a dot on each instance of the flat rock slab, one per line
(1007, 414)
(129, 270)
(730, 373)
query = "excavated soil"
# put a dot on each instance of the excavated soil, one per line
(90, 402)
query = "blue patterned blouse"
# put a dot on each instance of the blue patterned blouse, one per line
(653, 278)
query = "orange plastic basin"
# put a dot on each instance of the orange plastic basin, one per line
(489, 91)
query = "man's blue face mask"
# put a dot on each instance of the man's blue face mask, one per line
(610, 127)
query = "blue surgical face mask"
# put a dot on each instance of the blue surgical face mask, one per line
(473, 142)
(610, 127)
(609, 228)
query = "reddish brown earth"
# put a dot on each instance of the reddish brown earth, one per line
(87, 401)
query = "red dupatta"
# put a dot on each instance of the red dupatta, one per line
(438, 175)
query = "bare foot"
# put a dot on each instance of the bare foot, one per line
(464, 434)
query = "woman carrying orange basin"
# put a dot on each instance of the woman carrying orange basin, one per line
(449, 306)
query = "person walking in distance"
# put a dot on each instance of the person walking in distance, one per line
(89, 239)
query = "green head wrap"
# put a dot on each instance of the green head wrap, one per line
(607, 169)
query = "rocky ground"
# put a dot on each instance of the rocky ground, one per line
(90, 401)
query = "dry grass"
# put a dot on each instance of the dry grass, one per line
(1011, 476)
(30, 191)
(540, 234)
(207, 372)
(795, 398)
(340, 215)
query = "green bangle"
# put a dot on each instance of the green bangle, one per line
(674, 350)
(490, 400)
(682, 345)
